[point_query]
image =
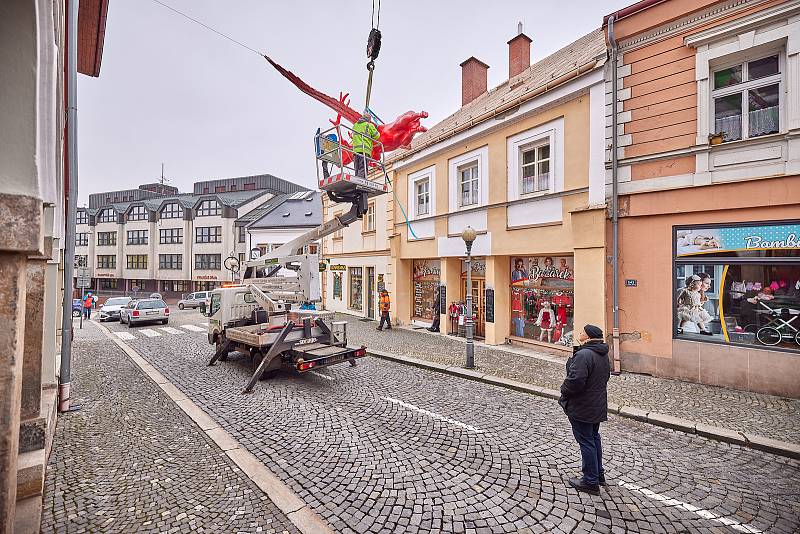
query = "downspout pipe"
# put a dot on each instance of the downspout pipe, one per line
(614, 201)
(72, 205)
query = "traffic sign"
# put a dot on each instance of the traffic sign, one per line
(84, 282)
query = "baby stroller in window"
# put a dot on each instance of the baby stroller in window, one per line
(780, 326)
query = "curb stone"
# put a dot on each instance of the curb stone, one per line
(726, 435)
(287, 501)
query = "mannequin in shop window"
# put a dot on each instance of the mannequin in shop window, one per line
(546, 321)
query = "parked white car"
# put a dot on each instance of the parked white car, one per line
(109, 311)
(144, 311)
(195, 300)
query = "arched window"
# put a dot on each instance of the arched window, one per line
(137, 213)
(208, 208)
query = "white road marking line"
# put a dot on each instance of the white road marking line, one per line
(170, 330)
(193, 328)
(323, 375)
(149, 333)
(705, 514)
(124, 335)
(433, 415)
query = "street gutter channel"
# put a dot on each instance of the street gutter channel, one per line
(779, 448)
(287, 501)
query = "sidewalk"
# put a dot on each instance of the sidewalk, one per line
(772, 417)
(132, 461)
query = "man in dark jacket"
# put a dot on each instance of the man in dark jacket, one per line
(583, 397)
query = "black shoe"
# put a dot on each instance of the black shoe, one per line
(602, 480)
(706, 333)
(379, 329)
(580, 485)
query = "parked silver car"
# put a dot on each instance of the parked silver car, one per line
(195, 300)
(109, 311)
(144, 311)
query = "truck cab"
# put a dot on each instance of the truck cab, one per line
(230, 306)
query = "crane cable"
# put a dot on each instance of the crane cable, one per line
(373, 47)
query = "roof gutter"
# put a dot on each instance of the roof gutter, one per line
(573, 74)
(630, 10)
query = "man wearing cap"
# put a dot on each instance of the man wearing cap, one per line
(365, 133)
(584, 399)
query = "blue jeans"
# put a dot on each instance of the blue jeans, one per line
(87, 313)
(588, 437)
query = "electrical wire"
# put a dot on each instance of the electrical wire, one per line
(206, 26)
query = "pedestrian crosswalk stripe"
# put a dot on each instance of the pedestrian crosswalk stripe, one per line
(433, 415)
(149, 333)
(705, 514)
(124, 335)
(192, 328)
(170, 330)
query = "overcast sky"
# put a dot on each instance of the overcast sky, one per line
(171, 91)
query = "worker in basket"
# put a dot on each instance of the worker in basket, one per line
(365, 133)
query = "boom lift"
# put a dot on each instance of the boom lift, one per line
(271, 315)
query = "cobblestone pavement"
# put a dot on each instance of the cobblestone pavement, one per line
(765, 415)
(384, 447)
(131, 461)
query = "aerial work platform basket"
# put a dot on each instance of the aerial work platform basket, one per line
(336, 165)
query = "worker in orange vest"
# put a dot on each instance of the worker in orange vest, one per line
(383, 305)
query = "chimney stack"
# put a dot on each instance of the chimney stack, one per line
(519, 53)
(473, 79)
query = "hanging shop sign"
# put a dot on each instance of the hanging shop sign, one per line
(339, 268)
(381, 283)
(753, 240)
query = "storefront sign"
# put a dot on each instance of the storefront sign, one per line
(442, 298)
(206, 277)
(478, 268)
(104, 275)
(489, 305)
(340, 268)
(425, 277)
(696, 241)
(547, 270)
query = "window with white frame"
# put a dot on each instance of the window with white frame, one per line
(422, 196)
(534, 168)
(746, 98)
(468, 180)
(369, 218)
(81, 217)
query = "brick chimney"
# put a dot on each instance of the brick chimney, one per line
(473, 79)
(519, 53)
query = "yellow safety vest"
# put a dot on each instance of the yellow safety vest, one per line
(364, 133)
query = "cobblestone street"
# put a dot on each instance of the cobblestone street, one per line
(131, 461)
(773, 417)
(385, 447)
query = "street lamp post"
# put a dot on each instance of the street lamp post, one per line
(468, 235)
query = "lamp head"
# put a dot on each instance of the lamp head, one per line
(468, 235)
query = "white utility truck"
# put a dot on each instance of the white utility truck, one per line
(270, 314)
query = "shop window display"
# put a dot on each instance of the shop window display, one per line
(543, 298)
(426, 275)
(356, 288)
(747, 290)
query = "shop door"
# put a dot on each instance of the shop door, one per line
(478, 303)
(371, 292)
